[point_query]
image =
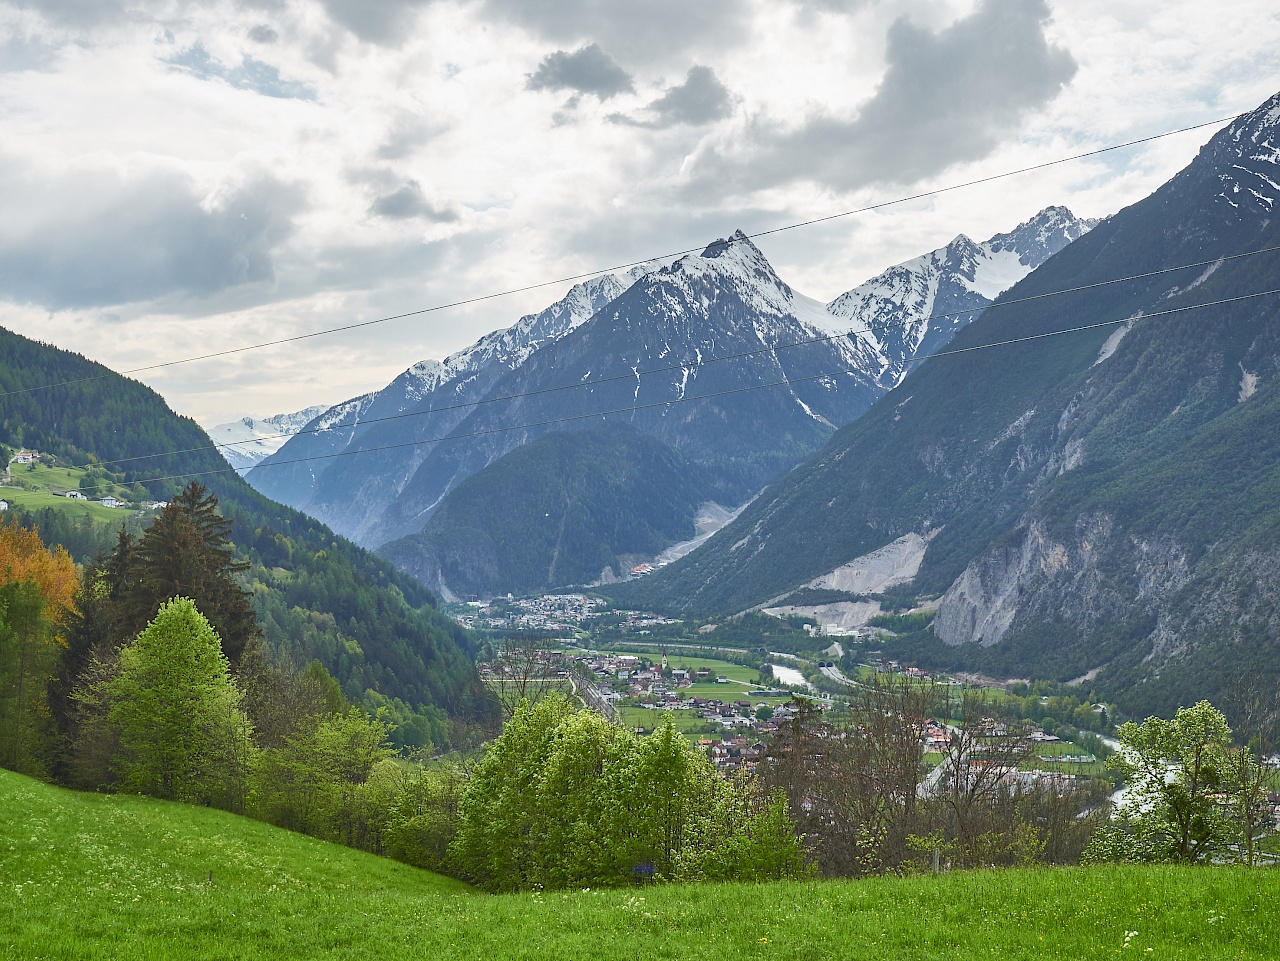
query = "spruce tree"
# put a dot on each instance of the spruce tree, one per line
(187, 552)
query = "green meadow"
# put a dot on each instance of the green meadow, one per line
(47, 485)
(106, 877)
(35, 500)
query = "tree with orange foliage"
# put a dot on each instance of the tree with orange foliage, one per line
(37, 596)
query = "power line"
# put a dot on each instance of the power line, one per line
(714, 360)
(635, 263)
(721, 393)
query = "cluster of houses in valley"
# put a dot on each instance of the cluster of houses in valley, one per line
(659, 687)
(733, 753)
(552, 614)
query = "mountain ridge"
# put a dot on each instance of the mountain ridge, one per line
(654, 328)
(1051, 556)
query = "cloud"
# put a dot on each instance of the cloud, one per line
(636, 31)
(18, 54)
(407, 134)
(587, 70)
(701, 99)
(409, 202)
(375, 21)
(78, 12)
(262, 33)
(832, 6)
(251, 74)
(946, 97)
(97, 238)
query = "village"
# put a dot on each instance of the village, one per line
(559, 615)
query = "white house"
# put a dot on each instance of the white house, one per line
(75, 496)
(4, 505)
(25, 456)
(111, 502)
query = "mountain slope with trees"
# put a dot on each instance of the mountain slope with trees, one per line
(1101, 501)
(565, 509)
(713, 355)
(315, 595)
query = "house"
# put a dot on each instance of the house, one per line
(152, 505)
(111, 502)
(25, 456)
(75, 496)
(4, 505)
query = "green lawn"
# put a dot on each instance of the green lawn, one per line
(50, 483)
(96, 877)
(35, 500)
(727, 669)
(686, 722)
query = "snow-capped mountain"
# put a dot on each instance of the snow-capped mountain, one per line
(247, 441)
(913, 309)
(709, 355)
(714, 354)
(426, 401)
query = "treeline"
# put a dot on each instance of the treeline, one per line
(868, 803)
(388, 648)
(146, 672)
(316, 595)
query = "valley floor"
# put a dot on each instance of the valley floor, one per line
(96, 876)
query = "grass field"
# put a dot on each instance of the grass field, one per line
(686, 722)
(35, 500)
(48, 486)
(99, 877)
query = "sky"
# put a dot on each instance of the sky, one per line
(182, 177)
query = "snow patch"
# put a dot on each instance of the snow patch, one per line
(997, 273)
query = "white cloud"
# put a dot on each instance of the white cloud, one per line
(420, 170)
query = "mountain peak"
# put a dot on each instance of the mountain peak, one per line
(718, 248)
(1258, 122)
(1240, 165)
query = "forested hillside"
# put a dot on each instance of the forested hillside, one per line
(1104, 500)
(565, 509)
(316, 595)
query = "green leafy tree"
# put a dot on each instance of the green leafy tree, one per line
(313, 783)
(423, 820)
(182, 733)
(759, 845)
(1178, 770)
(564, 798)
(500, 821)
